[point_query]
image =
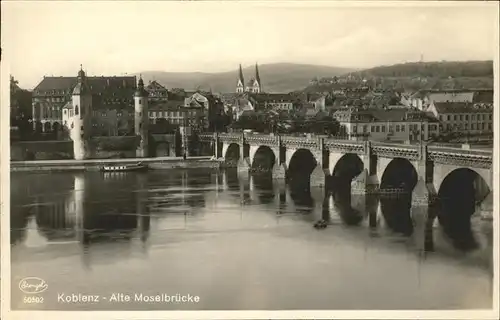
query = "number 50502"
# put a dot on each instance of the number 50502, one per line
(33, 300)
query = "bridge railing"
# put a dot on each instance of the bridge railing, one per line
(463, 152)
(394, 145)
(352, 145)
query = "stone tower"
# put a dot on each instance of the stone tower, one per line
(257, 83)
(82, 117)
(141, 119)
(240, 86)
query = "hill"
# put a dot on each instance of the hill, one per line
(276, 77)
(443, 69)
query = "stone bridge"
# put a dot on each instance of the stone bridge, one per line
(424, 171)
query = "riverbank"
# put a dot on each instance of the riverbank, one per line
(159, 163)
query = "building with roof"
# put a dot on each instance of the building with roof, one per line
(390, 124)
(466, 117)
(176, 113)
(254, 85)
(53, 93)
(272, 101)
(423, 98)
(157, 92)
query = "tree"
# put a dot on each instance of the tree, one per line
(20, 109)
(323, 124)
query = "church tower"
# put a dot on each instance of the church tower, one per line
(240, 86)
(141, 119)
(82, 117)
(257, 84)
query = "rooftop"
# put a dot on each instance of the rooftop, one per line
(384, 115)
(109, 86)
(461, 107)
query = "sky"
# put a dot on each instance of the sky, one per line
(119, 37)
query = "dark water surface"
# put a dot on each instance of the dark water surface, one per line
(235, 241)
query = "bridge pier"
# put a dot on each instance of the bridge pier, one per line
(279, 171)
(243, 165)
(423, 214)
(317, 178)
(364, 184)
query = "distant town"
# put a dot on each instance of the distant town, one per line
(354, 106)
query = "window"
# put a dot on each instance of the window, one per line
(466, 117)
(482, 126)
(466, 126)
(473, 126)
(140, 125)
(455, 117)
(449, 118)
(489, 126)
(372, 128)
(365, 128)
(403, 128)
(461, 117)
(491, 117)
(383, 128)
(76, 110)
(140, 101)
(354, 129)
(442, 118)
(473, 117)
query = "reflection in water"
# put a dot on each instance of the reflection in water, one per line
(343, 201)
(396, 213)
(183, 213)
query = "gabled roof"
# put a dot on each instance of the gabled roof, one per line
(154, 85)
(68, 105)
(385, 115)
(451, 96)
(460, 107)
(108, 86)
(484, 96)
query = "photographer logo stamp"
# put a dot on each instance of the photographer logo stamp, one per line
(32, 286)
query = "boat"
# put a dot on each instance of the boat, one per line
(124, 167)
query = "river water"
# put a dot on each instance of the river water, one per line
(235, 241)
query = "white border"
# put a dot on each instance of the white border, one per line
(368, 314)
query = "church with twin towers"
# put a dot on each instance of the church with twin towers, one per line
(253, 86)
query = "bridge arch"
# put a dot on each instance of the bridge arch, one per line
(302, 163)
(460, 195)
(263, 159)
(231, 154)
(399, 173)
(442, 171)
(348, 167)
